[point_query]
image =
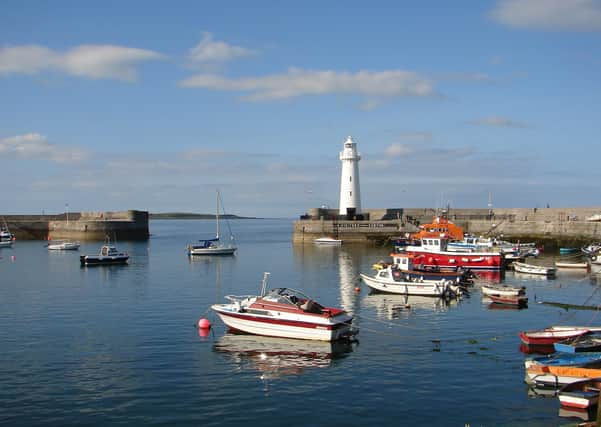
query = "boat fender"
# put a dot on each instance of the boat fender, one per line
(593, 257)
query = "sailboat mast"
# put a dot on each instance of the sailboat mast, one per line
(217, 216)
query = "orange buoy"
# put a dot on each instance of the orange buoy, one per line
(203, 333)
(357, 289)
(204, 324)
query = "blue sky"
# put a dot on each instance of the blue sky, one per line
(153, 105)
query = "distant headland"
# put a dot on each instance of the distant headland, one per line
(188, 215)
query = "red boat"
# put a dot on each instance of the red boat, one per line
(432, 253)
(551, 335)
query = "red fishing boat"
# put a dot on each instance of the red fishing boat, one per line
(433, 253)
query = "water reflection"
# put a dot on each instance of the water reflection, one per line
(392, 306)
(584, 414)
(279, 357)
(349, 274)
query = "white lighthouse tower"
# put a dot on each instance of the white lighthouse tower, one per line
(350, 195)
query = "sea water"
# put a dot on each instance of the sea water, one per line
(118, 344)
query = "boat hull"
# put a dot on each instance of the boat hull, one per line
(550, 336)
(284, 328)
(580, 394)
(515, 300)
(471, 260)
(533, 269)
(434, 289)
(212, 251)
(96, 260)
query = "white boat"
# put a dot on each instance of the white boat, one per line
(522, 267)
(284, 313)
(6, 237)
(567, 264)
(108, 255)
(213, 246)
(391, 281)
(327, 241)
(595, 217)
(63, 245)
(502, 291)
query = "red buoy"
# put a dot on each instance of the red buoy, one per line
(204, 324)
(357, 289)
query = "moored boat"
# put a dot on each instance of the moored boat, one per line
(108, 255)
(6, 237)
(285, 313)
(326, 240)
(581, 360)
(569, 264)
(433, 253)
(391, 280)
(579, 344)
(522, 267)
(556, 376)
(580, 394)
(213, 246)
(549, 336)
(502, 290)
(405, 263)
(63, 245)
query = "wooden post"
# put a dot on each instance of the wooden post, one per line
(598, 420)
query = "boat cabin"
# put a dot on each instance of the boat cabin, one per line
(108, 250)
(404, 262)
(435, 244)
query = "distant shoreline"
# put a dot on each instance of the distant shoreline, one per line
(184, 215)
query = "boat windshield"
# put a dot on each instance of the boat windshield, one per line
(286, 296)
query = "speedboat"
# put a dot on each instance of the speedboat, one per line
(108, 255)
(63, 245)
(284, 313)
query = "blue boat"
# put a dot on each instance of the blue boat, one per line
(587, 343)
(586, 359)
(567, 251)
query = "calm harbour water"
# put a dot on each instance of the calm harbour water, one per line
(117, 345)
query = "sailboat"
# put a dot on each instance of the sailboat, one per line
(213, 246)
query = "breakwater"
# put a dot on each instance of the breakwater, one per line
(551, 226)
(121, 225)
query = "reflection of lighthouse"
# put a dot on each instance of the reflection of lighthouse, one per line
(350, 196)
(348, 279)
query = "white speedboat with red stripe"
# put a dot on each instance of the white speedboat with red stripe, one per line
(285, 313)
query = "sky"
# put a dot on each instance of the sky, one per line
(155, 105)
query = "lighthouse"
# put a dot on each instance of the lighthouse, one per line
(350, 195)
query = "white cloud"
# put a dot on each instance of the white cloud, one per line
(89, 61)
(299, 82)
(498, 122)
(577, 15)
(398, 150)
(36, 146)
(212, 51)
